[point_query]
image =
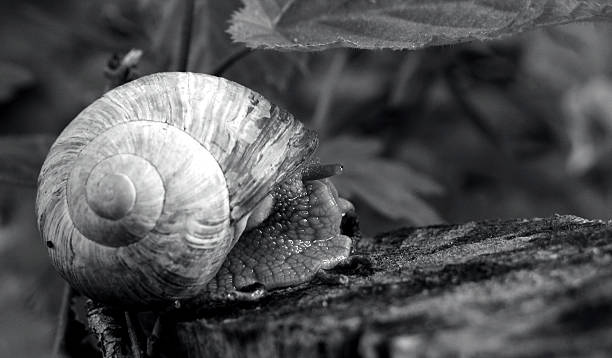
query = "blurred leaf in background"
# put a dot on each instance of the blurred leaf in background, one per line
(27, 303)
(389, 187)
(56, 54)
(571, 65)
(21, 158)
(487, 84)
(561, 57)
(15, 78)
(589, 115)
(29, 294)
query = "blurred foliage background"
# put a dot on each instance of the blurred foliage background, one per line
(519, 127)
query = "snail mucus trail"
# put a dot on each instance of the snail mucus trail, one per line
(183, 186)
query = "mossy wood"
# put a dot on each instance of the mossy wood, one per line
(537, 287)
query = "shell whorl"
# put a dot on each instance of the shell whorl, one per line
(167, 185)
(139, 196)
(111, 196)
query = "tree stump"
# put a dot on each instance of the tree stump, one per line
(537, 287)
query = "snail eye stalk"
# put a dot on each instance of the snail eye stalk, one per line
(321, 171)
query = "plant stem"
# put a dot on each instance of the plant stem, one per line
(59, 341)
(230, 60)
(326, 95)
(131, 321)
(186, 32)
(153, 341)
(122, 69)
(473, 114)
(106, 323)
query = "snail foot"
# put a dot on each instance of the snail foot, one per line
(250, 293)
(271, 263)
(299, 237)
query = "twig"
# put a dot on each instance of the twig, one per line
(230, 60)
(326, 94)
(59, 341)
(186, 32)
(152, 342)
(122, 69)
(131, 322)
(107, 324)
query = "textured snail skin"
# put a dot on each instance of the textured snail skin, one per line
(300, 236)
(144, 194)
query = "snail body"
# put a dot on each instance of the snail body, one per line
(144, 194)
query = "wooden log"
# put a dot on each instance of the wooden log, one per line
(537, 287)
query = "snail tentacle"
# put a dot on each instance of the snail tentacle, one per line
(321, 171)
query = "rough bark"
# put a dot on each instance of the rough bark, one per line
(537, 287)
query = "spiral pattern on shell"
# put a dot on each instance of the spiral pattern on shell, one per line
(140, 196)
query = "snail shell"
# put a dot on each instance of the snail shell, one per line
(145, 192)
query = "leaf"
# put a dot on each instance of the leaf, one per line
(389, 187)
(63, 45)
(21, 158)
(263, 71)
(588, 110)
(562, 57)
(14, 78)
(310, 25)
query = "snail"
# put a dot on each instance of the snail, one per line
(178, 186)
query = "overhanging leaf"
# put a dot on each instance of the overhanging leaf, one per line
(21, 158)
(398, 24)
(263, 71)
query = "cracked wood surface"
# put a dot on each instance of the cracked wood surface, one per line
(536, 287)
